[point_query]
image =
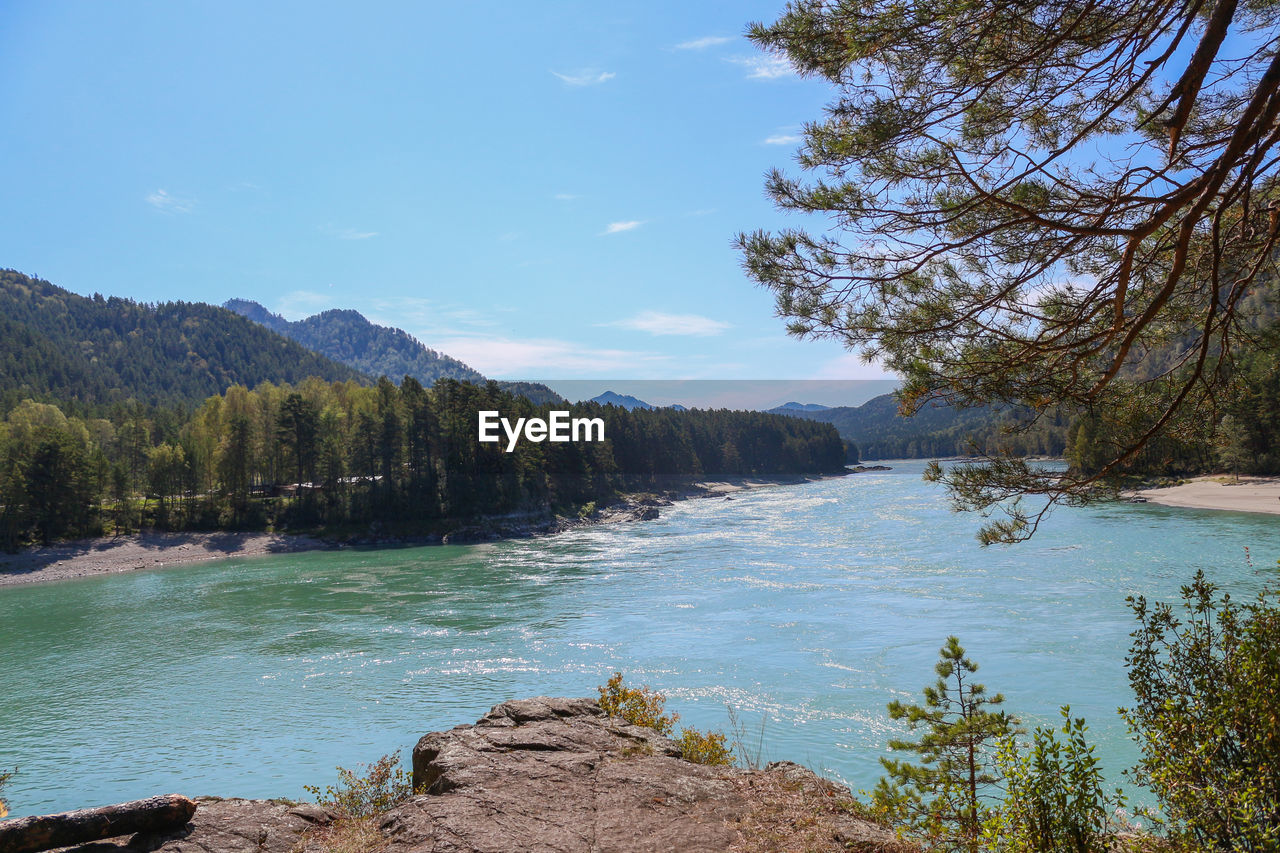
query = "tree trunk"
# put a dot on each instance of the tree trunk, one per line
(44, 832)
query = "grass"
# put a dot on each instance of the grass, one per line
(345, 835)
(788, 815)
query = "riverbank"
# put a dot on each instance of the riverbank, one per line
(153, 550)
(1250, 494)
(111, 555)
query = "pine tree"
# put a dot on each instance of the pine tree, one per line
(941, 798)
(1034, 204)
(1233, 446)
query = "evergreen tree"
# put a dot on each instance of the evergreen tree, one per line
(1233, 452)
(298, 429)
(1036, 204)
(941, 799)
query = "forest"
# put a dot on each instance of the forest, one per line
(92, 353)
(335, 456)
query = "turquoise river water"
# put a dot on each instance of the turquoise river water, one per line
(807, 608)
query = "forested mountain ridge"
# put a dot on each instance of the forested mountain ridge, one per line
(92, 352)
(349, 337)
(937, 430)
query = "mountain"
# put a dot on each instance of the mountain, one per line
(789, 408)
(58, 345)
(622, 401)
(347, 337)
(534, 392)
(937, 430)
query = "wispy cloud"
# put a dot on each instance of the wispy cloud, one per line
(586, 77)
(852, 365)
(702, 211)
(297, 304)
(566, 197)
(427, 316)
(619, 227)
(782, 139)
(703, 43)
(495, 355)
(658, 323)
(347, 233)
(769, 67)
(165, 203)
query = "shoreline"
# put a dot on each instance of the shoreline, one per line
(1259, 495)
(86, 558)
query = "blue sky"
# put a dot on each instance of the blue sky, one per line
(543, 190)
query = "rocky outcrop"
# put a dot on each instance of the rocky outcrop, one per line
(556, 775)
(559, 774)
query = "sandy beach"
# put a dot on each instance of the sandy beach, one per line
(89, 557)
(1251, 494)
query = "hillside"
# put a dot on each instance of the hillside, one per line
(937, 430)
(348, 337)
(58, 345)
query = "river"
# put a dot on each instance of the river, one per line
(805, 608)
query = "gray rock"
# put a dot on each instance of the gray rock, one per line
(560, 775)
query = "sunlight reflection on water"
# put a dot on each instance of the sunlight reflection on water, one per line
(808, 607)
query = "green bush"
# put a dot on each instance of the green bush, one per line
(641, 706)
(1054, 801)
(704, 747)
(1207, 716)
(384, 786)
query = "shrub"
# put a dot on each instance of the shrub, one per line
(1206, 716)
(641, 706)
(4, 805)
(384, 786)
(1054, 801)
(704, 747)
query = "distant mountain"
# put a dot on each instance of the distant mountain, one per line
(59, 346)
(676, 407)
(937, 430)
(788, 408)
(534, 392)
(881, 433)
(622, 401)
(346, 336)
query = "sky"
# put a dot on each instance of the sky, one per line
(543, 190)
